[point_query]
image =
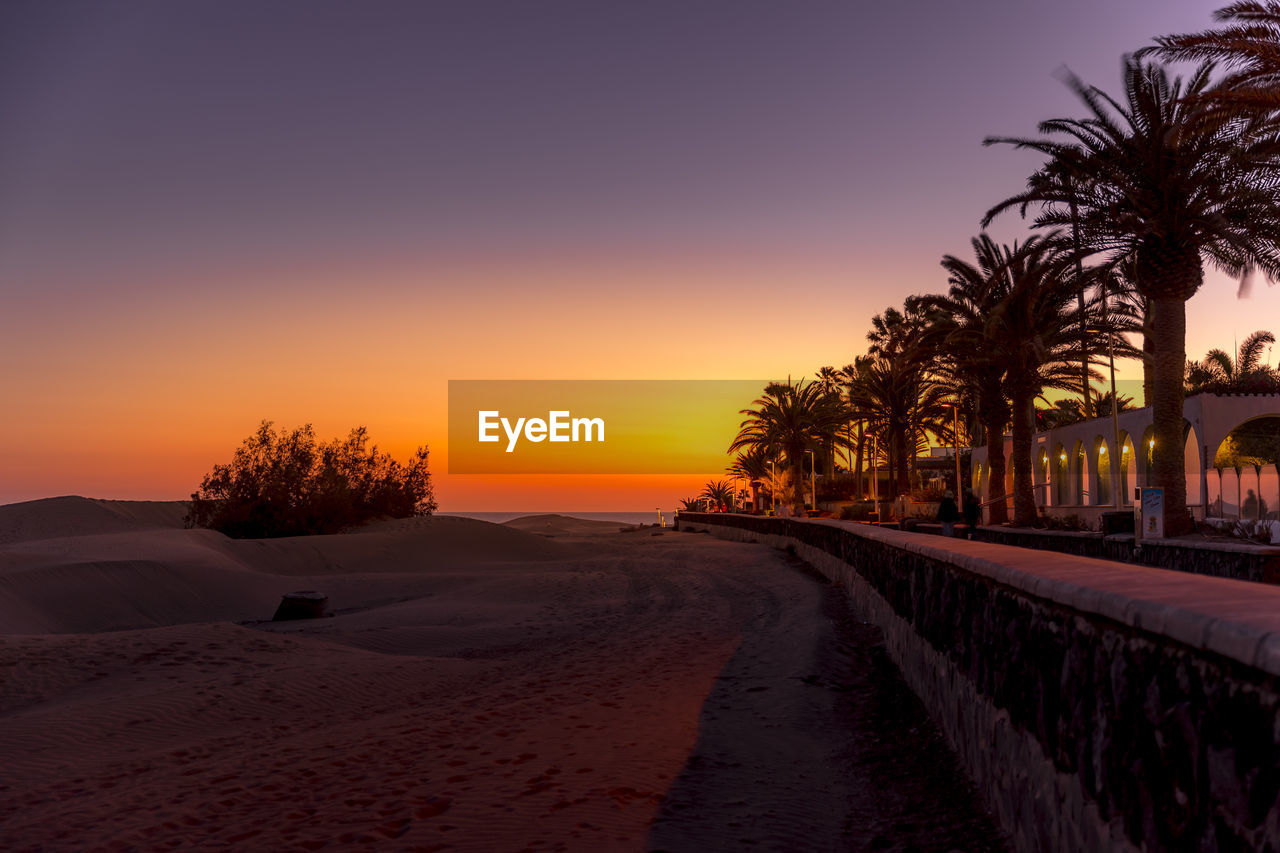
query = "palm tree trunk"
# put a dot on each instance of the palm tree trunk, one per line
(902, 482)
(1024, 497)
(997, 415)
(797, 482)
(859, 491)
(1169, 317)
(1149, 360)
(755, 496)
(998, 471)
(890, 465)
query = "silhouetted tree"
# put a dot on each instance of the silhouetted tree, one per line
(1247, 373)
(1150, 178)
(790, 419)
(1248, 45)
(286, 484)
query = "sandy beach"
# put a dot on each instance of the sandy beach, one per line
(547, 684)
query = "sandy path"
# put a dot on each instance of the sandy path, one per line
(551, 707)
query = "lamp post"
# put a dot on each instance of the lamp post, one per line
(1113, 458)
(848, 448)
(773, 481)
(955, 436)
(1115, 404)
(813, 480)
(875, 477)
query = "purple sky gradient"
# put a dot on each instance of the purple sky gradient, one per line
(183, 135)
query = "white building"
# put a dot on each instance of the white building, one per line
(1071, 464)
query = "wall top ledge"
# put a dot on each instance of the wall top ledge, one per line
(1239, 620)
(1123, 538)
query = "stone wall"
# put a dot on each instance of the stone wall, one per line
(1238, 560)
(1099, 707)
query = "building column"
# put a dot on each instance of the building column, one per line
(1204, 482)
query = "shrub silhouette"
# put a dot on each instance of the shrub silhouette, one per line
(287, 484)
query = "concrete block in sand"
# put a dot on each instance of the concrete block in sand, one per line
(304, 604)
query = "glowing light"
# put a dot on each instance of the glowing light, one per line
(1063, 457)
(1102, 450)
(1151, 443)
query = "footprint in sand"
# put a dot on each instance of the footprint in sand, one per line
(432, 807)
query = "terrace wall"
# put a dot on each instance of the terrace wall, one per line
(1239, 560)
(1098, 706)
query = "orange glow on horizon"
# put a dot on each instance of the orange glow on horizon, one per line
(138, 389)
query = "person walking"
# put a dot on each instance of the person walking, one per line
(948, 513)
(1254, 507)
(972, 510)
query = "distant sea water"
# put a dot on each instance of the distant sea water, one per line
(650, 517)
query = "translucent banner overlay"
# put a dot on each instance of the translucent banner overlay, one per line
(639, 426)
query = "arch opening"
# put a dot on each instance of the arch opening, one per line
(1246, 462)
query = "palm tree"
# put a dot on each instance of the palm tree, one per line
(1067, 411)
(1218, 372)
(790, 419)
(1130, 309)
(1059, 413)
(752, 465)
(901, 404)
(960, 319)
(1030, 332)
(1151, 179)
(832, 382)
(719, 492)
(1103, 402)
(898, 392)
(1249, 47)
(852, 375)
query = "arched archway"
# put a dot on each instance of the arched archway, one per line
(1040, 478)
(1128, 469)
(1191, 466)
(1100, 473)
(1080, 475)
(1246, 463)
(1060, 479)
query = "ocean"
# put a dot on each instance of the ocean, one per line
(650, 517)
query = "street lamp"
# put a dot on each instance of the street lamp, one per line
(875, 479)
(813, 479)
(955, 437)
(773, 482)
(1115, 403)
(1114, 465)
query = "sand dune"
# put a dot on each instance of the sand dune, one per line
(564, 525)
(481, 687)
(52, 518)
(153, 577)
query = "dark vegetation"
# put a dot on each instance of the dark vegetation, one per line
(288, 484)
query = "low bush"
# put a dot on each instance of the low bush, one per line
(1253, 531)
(1067, 522)
(928, 494)
(287, 484)
(858, 512)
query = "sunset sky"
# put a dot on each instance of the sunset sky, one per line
(214, 213)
